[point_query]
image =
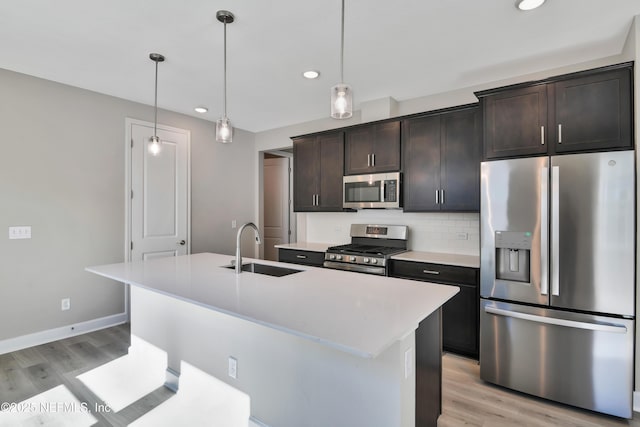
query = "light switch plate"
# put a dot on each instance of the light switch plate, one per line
(233, 367)
(20, 232)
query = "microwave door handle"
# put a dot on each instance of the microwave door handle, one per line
(383, 190)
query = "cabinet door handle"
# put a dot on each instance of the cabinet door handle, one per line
(442, 197)
(430, 272)
(559, 134)
(373, 160)
(368, 160)
(542, 135)
(301, 256)
(437, 197)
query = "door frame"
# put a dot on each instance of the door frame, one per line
(127, 180)
(291, 214)
(129, 122)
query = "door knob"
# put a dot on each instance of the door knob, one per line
(182, 242)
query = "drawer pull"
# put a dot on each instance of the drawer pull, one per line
(430, 272)
(301, 256)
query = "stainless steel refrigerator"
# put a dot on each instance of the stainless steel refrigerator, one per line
(557, 280)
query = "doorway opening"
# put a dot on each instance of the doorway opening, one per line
(276, 207)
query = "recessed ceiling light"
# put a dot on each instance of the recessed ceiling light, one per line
(201, 110)
(311, 74)
(529, 4)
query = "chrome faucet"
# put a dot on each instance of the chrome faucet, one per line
(238, 256)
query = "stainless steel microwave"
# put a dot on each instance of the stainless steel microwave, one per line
(372, 191)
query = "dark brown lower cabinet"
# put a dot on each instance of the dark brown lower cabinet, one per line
(460, 315)
(460, 322)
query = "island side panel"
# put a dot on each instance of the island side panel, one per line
(429, 370)
(291, 381)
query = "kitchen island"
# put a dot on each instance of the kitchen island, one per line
(318, 347)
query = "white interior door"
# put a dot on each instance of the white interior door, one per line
(276, 205)
(160, 202)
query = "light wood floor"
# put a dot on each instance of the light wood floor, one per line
(467, 401)
(29, 372)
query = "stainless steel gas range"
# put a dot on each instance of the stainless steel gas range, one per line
(370, 248)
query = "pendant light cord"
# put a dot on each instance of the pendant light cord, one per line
(342, 46)
(155, 104)
(224, 93)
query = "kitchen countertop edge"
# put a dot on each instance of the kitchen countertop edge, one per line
(458, 260)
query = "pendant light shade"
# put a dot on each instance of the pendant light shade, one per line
(154, 142)
(224, 130)
(341, 94)
(341, 101)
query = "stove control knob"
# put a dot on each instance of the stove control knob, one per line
(374, 261)
(332, 256)
(338, 257)
(366, 260)
(353, 259)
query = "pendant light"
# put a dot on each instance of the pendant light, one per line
(341, 94)
(154, 141)
(224, 130)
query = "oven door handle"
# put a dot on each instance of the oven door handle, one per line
(358, 268)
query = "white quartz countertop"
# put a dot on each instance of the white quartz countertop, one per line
(358, 313)
(306, 246)
(440, 258)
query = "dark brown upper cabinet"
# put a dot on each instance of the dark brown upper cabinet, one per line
(515, 122)
(318, 162)
(585, 111)
(592, 112)
(441, 158)
(372, 148)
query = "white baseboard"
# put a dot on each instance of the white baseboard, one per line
(43, 337)
(254, 422)
(636, 401)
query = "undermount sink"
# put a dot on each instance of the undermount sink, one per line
(269, 270)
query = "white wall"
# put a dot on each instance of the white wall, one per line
(62, 172)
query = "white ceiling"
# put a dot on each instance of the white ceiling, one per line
(402, 49)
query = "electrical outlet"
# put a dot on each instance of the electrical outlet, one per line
(462, 236)
(65, 304)
(233, 367)
(234, 224)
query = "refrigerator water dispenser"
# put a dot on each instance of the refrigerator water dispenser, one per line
(513, 255)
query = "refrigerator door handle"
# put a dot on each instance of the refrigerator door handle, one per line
(555, 230)
(616, 329)
(544, 227)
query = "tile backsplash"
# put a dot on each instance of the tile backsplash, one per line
(457, 233)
